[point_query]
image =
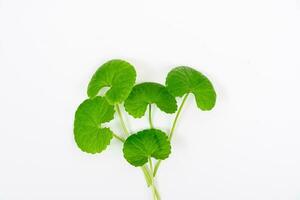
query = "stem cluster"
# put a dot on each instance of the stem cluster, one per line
(151, 170)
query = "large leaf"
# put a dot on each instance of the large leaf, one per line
(89, 135)
(149, 93)
(144, 144)
(183, 80)
(119, 75)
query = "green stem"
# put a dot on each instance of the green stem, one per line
(172, 129)
(152, 178)
(156, 193)
(147, 175)
(119, 137)
(143, 168)
(177, 115)
(150, 181)
(156, 167)
(121, 119)
(150, 117)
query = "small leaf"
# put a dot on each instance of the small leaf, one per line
(119, 75)
(144, 144)
(89, 135)
(183, 80)
(148, 93)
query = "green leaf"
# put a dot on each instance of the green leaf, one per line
(183, 80)
(149, 93)
(89, 135)
(119, 75)
(144, 144)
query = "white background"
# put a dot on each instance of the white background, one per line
(247, 148)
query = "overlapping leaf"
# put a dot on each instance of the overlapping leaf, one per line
(183, 80)
(89, 135)
(119, 75)
(149, 93)
(144, 144)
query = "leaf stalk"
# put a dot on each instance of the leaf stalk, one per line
(150, 117)
(121, 119)
(172, 129)
(119, 137)
(149, 176)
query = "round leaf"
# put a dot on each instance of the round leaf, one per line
(144, 144)
(89, 135)
(148, 93)
(119, 75)
(183, 80)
